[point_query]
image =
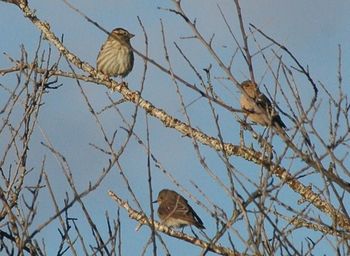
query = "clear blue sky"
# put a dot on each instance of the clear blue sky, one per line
(312, 31)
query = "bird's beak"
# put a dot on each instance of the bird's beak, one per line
(131, 35)
(154, 202)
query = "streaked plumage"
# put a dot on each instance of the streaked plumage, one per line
(116, 57)
(174, 210)
(258, 107)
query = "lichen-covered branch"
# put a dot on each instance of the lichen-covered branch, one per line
(143, 220)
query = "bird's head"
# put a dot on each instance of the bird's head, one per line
(164, 195)
(250, 88)
(122, 34)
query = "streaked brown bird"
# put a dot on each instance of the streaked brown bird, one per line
(116, 57)
(257, 107)
(174, 210)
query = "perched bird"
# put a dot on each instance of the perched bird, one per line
(174, 210)
(257, 107)
(116, 57)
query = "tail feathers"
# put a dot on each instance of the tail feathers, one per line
(198, 222)
(199, 225)
(277, 120)
(279, 125)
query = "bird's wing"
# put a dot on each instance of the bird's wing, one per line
(264, 102)
(172, 205)
(185, 211)
(199, 222)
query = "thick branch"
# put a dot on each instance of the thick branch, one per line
(143, 220)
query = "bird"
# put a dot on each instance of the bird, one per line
(257, 107)
(116, 57)
(174, 210)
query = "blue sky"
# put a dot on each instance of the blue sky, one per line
(311, 31)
